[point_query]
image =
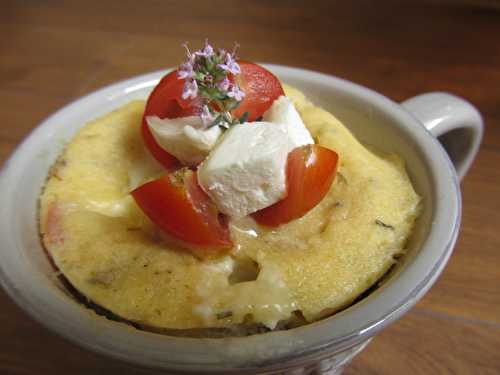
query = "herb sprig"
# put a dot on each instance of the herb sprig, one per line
(210, 76)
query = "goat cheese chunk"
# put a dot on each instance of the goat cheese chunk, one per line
(283, 112)
(185, 137)
(246, 171)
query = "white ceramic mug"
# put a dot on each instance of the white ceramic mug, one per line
(321, 347)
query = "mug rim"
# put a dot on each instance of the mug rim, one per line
(311, 341)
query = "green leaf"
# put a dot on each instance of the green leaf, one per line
(202, 69)
(204, 91)
(232, 105)
(217, 94)
(210, 64)
(199, 76)
(216, 122)
(217, 59)
(244, 118)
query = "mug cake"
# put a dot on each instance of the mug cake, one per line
(227, 203)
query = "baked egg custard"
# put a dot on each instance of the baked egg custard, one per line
(304, 270)
(227, 204)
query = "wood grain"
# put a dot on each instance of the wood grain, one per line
(53, 52)
(452, 346)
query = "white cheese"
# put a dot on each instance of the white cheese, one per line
(246, 171)
(185, 137)
(267, 298)
(283, 112)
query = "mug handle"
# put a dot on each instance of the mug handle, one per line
(455, 122)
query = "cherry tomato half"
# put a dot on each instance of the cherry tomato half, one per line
(261, 89)
(179, 207)
(310, 171)
(166, 102)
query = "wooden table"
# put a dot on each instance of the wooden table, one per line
(53, 52)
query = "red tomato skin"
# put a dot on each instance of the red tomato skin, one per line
(310, 172)
(168, 161)
(261, 89)
(183, 211)
(165, 101)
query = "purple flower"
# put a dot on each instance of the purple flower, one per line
(191, 56)
(206, 116)
(236, 93)
(192, 60)
(207, 51)
(190, 89)
(185, 71)
(206, 74)
(224, 84)
(230, 65)
(221, 53)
